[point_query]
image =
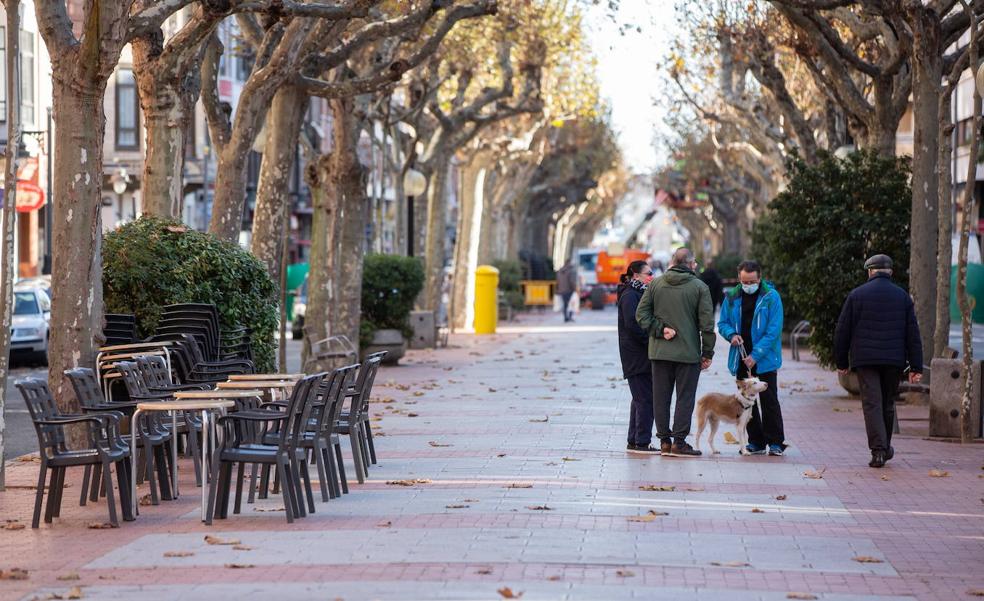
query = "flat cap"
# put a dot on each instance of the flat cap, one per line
(878, 262)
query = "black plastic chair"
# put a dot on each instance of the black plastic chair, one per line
(318, 438)
(104, 447)
(355, 422)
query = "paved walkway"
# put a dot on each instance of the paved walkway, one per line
(526, 489)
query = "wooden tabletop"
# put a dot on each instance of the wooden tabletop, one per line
(135, 345)
(217, 394)
(268, 384)
(264, 377)
(185, 405)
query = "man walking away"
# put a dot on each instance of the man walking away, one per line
(751, 319)
(877, 336)
(566, 286)
(634, 353)
(715, 284)
(677, 313)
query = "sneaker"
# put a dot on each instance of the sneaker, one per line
(665, 447)
(645, 450)
(754, 449)
(629, 447)
(877, 459)
(889, 453)
(682, 449)
(775, 450)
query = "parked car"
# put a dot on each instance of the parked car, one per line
(300, 307)
(41, 281)
(29, 331)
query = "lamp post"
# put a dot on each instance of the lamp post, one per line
(120, 181)
(414, 184)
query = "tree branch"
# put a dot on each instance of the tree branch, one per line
(219, 124)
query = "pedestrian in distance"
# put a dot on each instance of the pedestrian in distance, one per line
(715, 284)
(877, 336)
(751, 320)
(633, 349)
(566, 287)
(677, 313)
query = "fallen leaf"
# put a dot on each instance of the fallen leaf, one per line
(413, 415)
(437, 444)
(814, 475)
(146, 501)
(553, 578)
(654, 488)
(412, 482)
(484, 571)
(29, 459)
(242, 548)
(885, 477)
(98, 525)
(69, 577)
(780, 497)
(520, 486)
(72, 593)
(239, 566)
(729, 438)
(568, 459)
(268, 509)
(731, 564)
(507, 593)
(539, 508)
(867, 559)
(501, 455)
(386, 524)
(214, 540)
(418, 393)
(757, 510)
(471, 500)
(178, 554)
(694, 489)
(649, 516)
(456, 506)
(546, 418)
(13, 574)
(936, 473)
(841, 410)
(800, 596)
(976, 592)
(493, 390)
(624, 573)
(14, 525)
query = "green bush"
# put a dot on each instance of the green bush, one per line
(727, 266)
(818, 232)
(390, 285)
(151, 262)
(510, 278)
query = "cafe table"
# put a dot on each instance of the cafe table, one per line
(272, 386)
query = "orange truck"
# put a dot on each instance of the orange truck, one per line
(610, 266)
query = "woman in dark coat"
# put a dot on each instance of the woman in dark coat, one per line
(633, 348)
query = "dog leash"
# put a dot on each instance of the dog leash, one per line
(758, 397)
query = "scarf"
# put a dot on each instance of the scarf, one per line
(638, 285)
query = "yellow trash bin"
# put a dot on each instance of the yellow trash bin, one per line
(486, 299)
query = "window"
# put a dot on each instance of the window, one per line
(27, 76)
(127, 111)
(3, 73)
(244, 64)
(25, 304)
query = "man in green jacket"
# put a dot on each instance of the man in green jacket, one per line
(678, 314)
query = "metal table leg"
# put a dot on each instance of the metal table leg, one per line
(174, 455)
(206, 439)
(134, 421)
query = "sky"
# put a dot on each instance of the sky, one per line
(627, 69)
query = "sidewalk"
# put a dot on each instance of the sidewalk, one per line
(519, 439)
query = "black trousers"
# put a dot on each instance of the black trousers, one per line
(641, 410)
(767, 429)
(565, 298)
(879, 389)
(668, 375)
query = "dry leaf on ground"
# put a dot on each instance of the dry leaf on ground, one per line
(99, 525)
(456, 506)
(13, 574)
(438, 444)
(178, 554)
(885, 477)
(13, 525)
(268, 509)
(412, 482)
(69, 577)
(780, 497)
(569, 459)
(730, 438)
(757, 510)
(649, 516)
(546, 418)
(484, 571)
(624, 573)
(514, 485)
(936, 473)
(239, 566)
(539, 508)
(554, 578)
(976, 592)
(507, 593)
(814, 474)
(867, 559)
(842, 410)
(386, 524)
(413, 415)
(214, 540)
(800, 596)
(242, 548)
(146, 501)
(694, 489)
(731, 564)
(500, 455)
(654, 488)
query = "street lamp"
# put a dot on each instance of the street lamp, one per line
(120, 181)
(414, 184)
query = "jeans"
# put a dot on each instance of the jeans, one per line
(641, 410)
(565, 298)
(668, 375)
(879, 389)
(767, 429)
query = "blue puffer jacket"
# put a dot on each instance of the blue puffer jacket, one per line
(766, 329)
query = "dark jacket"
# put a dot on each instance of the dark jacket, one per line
(680, 301)
(878, 326)
(714, 283)
(566, 279)
(633, 344)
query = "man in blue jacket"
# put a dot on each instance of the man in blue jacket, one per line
(751, 319)
(877, 336)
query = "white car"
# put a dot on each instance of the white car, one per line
(29, 332)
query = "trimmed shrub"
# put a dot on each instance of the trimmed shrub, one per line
(818, 232)
(390, 285)
(510, 278)
(151, 262)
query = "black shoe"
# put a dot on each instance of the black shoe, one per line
(630, 447)
(877, 459)
(644, 449)
(682, 449)
(665, 447)
(889, 454)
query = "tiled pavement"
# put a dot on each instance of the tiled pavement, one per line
(534, 417)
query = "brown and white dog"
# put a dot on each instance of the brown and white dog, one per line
(716, 407)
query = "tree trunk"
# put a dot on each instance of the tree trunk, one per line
(466, 241)
(8, 218)
(229, 200)
(273, 191)
(76, 278)
(436, 232)
(923, 264)
(348, 183)
(318, 313)
(944, 237)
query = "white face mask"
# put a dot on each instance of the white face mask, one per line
(750, 288)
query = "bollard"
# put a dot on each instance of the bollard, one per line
(486, 299)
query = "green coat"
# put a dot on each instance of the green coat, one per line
(678, 300)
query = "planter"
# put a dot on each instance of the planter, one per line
(849, 382)
(387, 340)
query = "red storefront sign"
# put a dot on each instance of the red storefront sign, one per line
(30, 196)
